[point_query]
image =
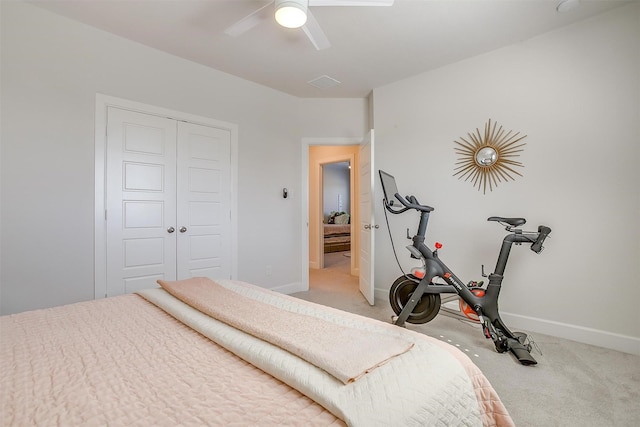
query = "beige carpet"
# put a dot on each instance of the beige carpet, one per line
(573, 384)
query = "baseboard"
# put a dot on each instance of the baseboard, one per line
(610, 340)
(381, 294)
(289, 288)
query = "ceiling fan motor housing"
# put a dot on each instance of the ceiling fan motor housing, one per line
(291, 13)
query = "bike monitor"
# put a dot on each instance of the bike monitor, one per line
(389, 187)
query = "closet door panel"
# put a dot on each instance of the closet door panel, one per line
(204, 202)
(140, 200)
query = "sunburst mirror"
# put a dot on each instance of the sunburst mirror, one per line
(487, 158)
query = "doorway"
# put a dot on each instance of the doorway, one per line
(362, 243)
(333, 216)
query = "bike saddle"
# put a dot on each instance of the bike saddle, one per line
(514, 222)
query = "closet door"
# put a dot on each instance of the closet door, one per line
(140, 200)
(204, 202)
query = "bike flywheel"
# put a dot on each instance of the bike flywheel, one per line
(400, 293)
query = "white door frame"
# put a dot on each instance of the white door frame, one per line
(100, 232)
(304, 179)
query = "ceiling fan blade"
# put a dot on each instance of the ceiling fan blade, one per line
(351, 2)
(250, 21)
(314, 32)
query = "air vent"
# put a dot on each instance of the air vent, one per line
(324, 82)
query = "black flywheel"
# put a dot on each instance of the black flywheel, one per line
(400, 293)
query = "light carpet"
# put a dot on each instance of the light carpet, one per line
(573, 384)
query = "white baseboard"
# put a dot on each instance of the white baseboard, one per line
(610, 340)
(613, 341)
(381, 294)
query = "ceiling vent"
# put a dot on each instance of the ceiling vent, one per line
(324, 82)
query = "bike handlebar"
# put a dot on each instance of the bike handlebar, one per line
(543, 232)
(411, 204)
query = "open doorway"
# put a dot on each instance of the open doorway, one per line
(360, 153)
(333, 211)
(336, 215)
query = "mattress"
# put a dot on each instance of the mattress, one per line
(130, 360)
(336, 229)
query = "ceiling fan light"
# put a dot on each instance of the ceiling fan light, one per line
(291, 13)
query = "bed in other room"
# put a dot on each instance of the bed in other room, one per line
(337, 232)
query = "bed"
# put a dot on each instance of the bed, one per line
(198, 352)
(337, 237)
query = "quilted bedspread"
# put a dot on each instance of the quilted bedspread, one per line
(344, 352)
(433, 384)
(124, 361)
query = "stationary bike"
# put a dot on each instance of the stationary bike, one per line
(415, 298)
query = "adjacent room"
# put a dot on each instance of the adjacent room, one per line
(194, 228)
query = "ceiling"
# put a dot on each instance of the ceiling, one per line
(370, 46)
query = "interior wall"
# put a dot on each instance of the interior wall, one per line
(334, 117)
(336, 193)
(575, 93)
(51, 69)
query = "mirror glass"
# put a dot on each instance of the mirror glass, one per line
(486, 156)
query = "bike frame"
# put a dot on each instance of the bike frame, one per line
(486, 305)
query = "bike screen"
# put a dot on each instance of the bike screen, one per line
(389, 187)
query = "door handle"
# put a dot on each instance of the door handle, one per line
(183, 229)
(369, 226)
(170, 230)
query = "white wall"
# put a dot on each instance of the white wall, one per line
(51, 70)
(336, 188)
(319, 117)
(576, 93)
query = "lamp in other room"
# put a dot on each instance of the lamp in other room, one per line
(291, 13)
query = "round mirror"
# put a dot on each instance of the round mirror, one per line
(486, 156)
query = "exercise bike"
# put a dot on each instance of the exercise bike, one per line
(415, 298)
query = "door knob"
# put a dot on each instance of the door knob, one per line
(170, 230)
(183, 229)
(369, 226)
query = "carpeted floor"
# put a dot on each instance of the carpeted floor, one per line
(573, 384)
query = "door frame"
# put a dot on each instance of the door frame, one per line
(304, 179)
(100, 139)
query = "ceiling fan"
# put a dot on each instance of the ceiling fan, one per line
(296, 14)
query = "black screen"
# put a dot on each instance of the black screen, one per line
(388, 187)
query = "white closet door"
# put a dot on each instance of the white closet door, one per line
(204, 202)
(140, 200)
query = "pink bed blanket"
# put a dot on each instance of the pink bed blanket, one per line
(432, 384)
(342, 351)
(122, 361)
